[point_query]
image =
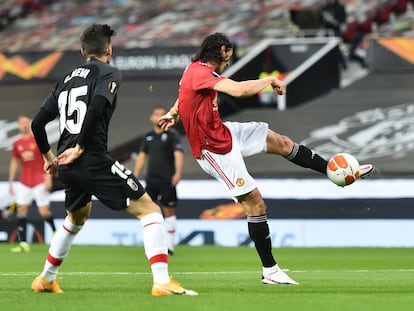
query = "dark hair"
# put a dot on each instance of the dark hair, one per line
(96, 38)
(210, 48)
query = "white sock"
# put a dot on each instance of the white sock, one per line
(171, 225)
(155, 245)
(59, 248)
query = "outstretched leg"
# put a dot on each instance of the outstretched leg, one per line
(303, 156)
(298, 154)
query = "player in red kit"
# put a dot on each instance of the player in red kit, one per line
(219, 147)
(34, 183)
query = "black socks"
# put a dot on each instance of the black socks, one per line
(260, 235)
(51, 222)
(303, 156)
(21, 228)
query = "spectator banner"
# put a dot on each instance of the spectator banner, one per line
(379, 211)
(33, 66)
(36, 66)
(162, 63)
(318, 199)
(229, 233)
(392, 55)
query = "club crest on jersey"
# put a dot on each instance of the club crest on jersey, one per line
(240, 182)
(112, 87)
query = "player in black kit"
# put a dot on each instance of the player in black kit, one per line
(84, 101)
(164, 153)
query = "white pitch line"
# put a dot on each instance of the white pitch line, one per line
(208, 272)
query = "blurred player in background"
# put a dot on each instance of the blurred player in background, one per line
(164, 153)
(34, 183)
(219, 147)
(84, 100)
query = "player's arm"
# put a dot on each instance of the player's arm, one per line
(14, 166)
(139, 163)
(249, 87)
(43, 117)
(48, 182)
(178, 153)
(178, 161)
(88, 131)
(170, 118)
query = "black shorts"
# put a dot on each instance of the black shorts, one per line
(162, 192)
(108, 180)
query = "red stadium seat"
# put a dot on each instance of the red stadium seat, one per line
(400, 6)
(350, 31)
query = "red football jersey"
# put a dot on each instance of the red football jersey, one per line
(26, 150)
(198, 108)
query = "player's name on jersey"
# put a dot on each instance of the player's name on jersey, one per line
(78, 72)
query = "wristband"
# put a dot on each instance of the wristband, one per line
(175, 112)
(169, 117)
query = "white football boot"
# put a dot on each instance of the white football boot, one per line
(367, 170)
(275, 275)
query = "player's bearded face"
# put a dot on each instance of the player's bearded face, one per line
(227, 55)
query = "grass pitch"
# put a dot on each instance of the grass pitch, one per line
(119, 278)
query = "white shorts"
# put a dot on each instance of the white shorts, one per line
(249, 138)
(25, 195)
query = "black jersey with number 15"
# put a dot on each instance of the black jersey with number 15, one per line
(71, 99)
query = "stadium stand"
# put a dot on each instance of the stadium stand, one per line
(56, 24)
(144, 23)
(12, 10)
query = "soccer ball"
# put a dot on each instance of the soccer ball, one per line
(343, 169)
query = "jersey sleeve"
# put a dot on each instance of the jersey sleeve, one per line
(108, 84)
(50, 104)
(15, 152)
(205, 79)
(47, 112)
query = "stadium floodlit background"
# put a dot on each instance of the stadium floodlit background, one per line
(364, 110)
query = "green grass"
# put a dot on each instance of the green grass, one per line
(119, 278)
